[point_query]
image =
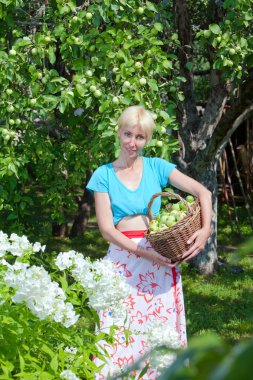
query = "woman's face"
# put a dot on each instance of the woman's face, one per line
(132, 140)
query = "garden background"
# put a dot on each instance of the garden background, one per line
(68, 68)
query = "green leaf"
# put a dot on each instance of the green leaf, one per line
(151, 7)
(158, 26)
(62, 107)
(51, 55)
(180, 96)
(35, 89)
(78, 64)
(167, 64)
(153, 84)
(215, 28)
(54, 363)
(48, 350)
(164, 115)
(81, 89)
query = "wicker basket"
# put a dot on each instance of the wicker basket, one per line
(172, 241)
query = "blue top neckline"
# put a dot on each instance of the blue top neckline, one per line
(122, 184)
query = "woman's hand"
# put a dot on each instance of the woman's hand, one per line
(154, 256)
(199, 238)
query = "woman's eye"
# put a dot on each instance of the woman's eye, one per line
(140, 137)
(127, 134)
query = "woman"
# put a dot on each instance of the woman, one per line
(122, 190)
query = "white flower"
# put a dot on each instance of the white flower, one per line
(68, 375)
(100, 280)
(38, 247)
(71, 350)
(17, 245)
(162, 334)
(42, 296)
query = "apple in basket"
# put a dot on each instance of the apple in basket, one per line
(153, 226)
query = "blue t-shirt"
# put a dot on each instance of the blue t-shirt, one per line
(126, 202)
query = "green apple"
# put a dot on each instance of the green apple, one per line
(97, 93)
(138, 65)
(44, 80)
(88, 16)
(172, 89)
(75, 18)
(92, 48)
(230, 63)
(9, 91)
(169, 190)
(93, 88)
(47, 39)
(207, 33)
(163, 130)
(10, 108)
(189, 199)
(17, 121)
(171, 220)
(183, 207)
(218, 39)
(176, 206)
(103, 79)
(34, 51)
(162, 227)
(143, 81)
(140, 10)
(11, 122)
(39, 75)
(232, 51)
(12, 52)
(33, 101)
(126, 84)
(89, 73)
(159, 143)
(239, 68)
(115, 100)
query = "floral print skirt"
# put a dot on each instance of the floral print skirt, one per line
(156, 294)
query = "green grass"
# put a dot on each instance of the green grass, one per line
(222, 302)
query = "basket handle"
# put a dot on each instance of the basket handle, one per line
(171, 195)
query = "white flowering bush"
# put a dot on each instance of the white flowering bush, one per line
(47, 317)
(104, 287)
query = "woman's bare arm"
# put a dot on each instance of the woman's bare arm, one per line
(189, 185)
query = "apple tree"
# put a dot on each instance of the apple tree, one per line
(68, 68)
(215, 57)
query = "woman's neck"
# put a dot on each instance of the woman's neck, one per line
(126, 163)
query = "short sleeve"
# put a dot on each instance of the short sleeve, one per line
(163, 169)
(99, 180)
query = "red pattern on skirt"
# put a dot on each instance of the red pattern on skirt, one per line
(156, 294)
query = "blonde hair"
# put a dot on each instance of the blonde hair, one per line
(134, 115)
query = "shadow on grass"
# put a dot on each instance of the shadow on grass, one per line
(91, 244)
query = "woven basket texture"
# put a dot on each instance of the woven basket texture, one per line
(172, 241)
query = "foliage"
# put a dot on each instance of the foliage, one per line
(67, 71)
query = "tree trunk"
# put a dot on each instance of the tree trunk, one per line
(83, 213)
(206, 261)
